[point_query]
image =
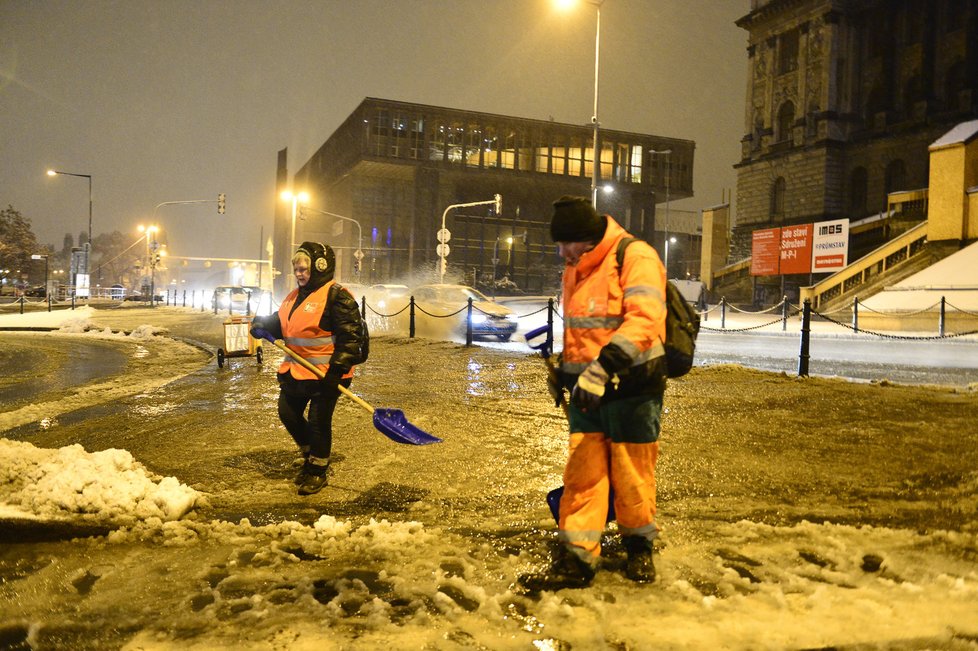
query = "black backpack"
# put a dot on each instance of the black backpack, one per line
(365, 343)
(682, 323)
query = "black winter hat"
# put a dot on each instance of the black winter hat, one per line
(575, 220)
(322, 262)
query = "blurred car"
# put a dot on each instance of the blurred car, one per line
(381, 296)
(38, 291)
(243, 299)
(490, 320)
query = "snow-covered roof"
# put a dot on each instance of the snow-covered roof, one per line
(960, 134)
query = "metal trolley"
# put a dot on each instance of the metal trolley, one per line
(238, 341)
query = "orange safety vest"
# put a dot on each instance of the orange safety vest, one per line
(301, 333)
(603, 304)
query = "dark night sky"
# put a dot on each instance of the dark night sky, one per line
(176, 100)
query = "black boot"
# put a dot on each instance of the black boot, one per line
(568, 570)
(313, 476)
(639, 566)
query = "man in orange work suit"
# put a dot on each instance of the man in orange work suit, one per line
(613, 364)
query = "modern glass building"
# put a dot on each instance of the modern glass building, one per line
(385, 180)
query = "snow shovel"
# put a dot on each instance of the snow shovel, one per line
(553, 497)
(392, 423)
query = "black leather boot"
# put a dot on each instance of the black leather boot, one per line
(568, 570)
(639, 566)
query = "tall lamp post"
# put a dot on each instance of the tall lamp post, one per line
(38, 256)
(666, 153)
(89, 177)
(665, 262)
(596, 157)
(358, 254)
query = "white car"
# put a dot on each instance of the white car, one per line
(490, 320)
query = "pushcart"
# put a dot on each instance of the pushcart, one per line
(238, 341)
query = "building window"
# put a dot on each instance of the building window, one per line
(954, 83)
(896, 177)
(439, 140)
(491, 145)
(777, 200)
(786, 118)
(416, 137)
(473, 145)
(788, 52)
(508, 158)
(558, 158)
(858, 184)
(575, 157)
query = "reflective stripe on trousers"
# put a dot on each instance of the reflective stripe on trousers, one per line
(594, 463)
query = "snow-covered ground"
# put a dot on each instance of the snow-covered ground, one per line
(425, 578)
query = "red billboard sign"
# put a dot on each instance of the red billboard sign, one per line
(796, 249)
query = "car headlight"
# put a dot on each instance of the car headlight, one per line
(511, 317)
(478, 318)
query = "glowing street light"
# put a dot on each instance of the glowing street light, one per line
(665, 262)
(296, 199)
(596, 157)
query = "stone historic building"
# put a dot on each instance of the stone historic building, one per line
(843, 99)
(385, 178)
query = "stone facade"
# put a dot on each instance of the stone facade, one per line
(843, 99)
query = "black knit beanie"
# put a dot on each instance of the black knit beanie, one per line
(574, 220)
(322, 263)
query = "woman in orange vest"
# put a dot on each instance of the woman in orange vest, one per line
(614, 326)
(320, 320)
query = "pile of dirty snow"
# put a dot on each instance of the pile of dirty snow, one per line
(108, 486)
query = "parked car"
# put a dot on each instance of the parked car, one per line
(490, 320)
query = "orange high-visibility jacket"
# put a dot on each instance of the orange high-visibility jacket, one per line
(302, 333)
(625, 313)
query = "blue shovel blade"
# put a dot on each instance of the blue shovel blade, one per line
(553, 501)
(394, 425)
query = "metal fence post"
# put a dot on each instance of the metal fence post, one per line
(411, 320)
(784, 313)
(806, 318)
(49, 301)
(855, 314)
(468, 324)
(941, 322)
(21, 304)
(363, 307)
(550, 324)
(723, 312)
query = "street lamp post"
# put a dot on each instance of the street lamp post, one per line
(358, 254)
(38, 256)
(665, 262)
(89, 177)
(667, 153)
(596, 157)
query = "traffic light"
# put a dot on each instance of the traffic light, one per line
(220, 203)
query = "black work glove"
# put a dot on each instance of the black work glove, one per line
(331, 383)
(590, 387)
(258, 329)
(554, 385)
